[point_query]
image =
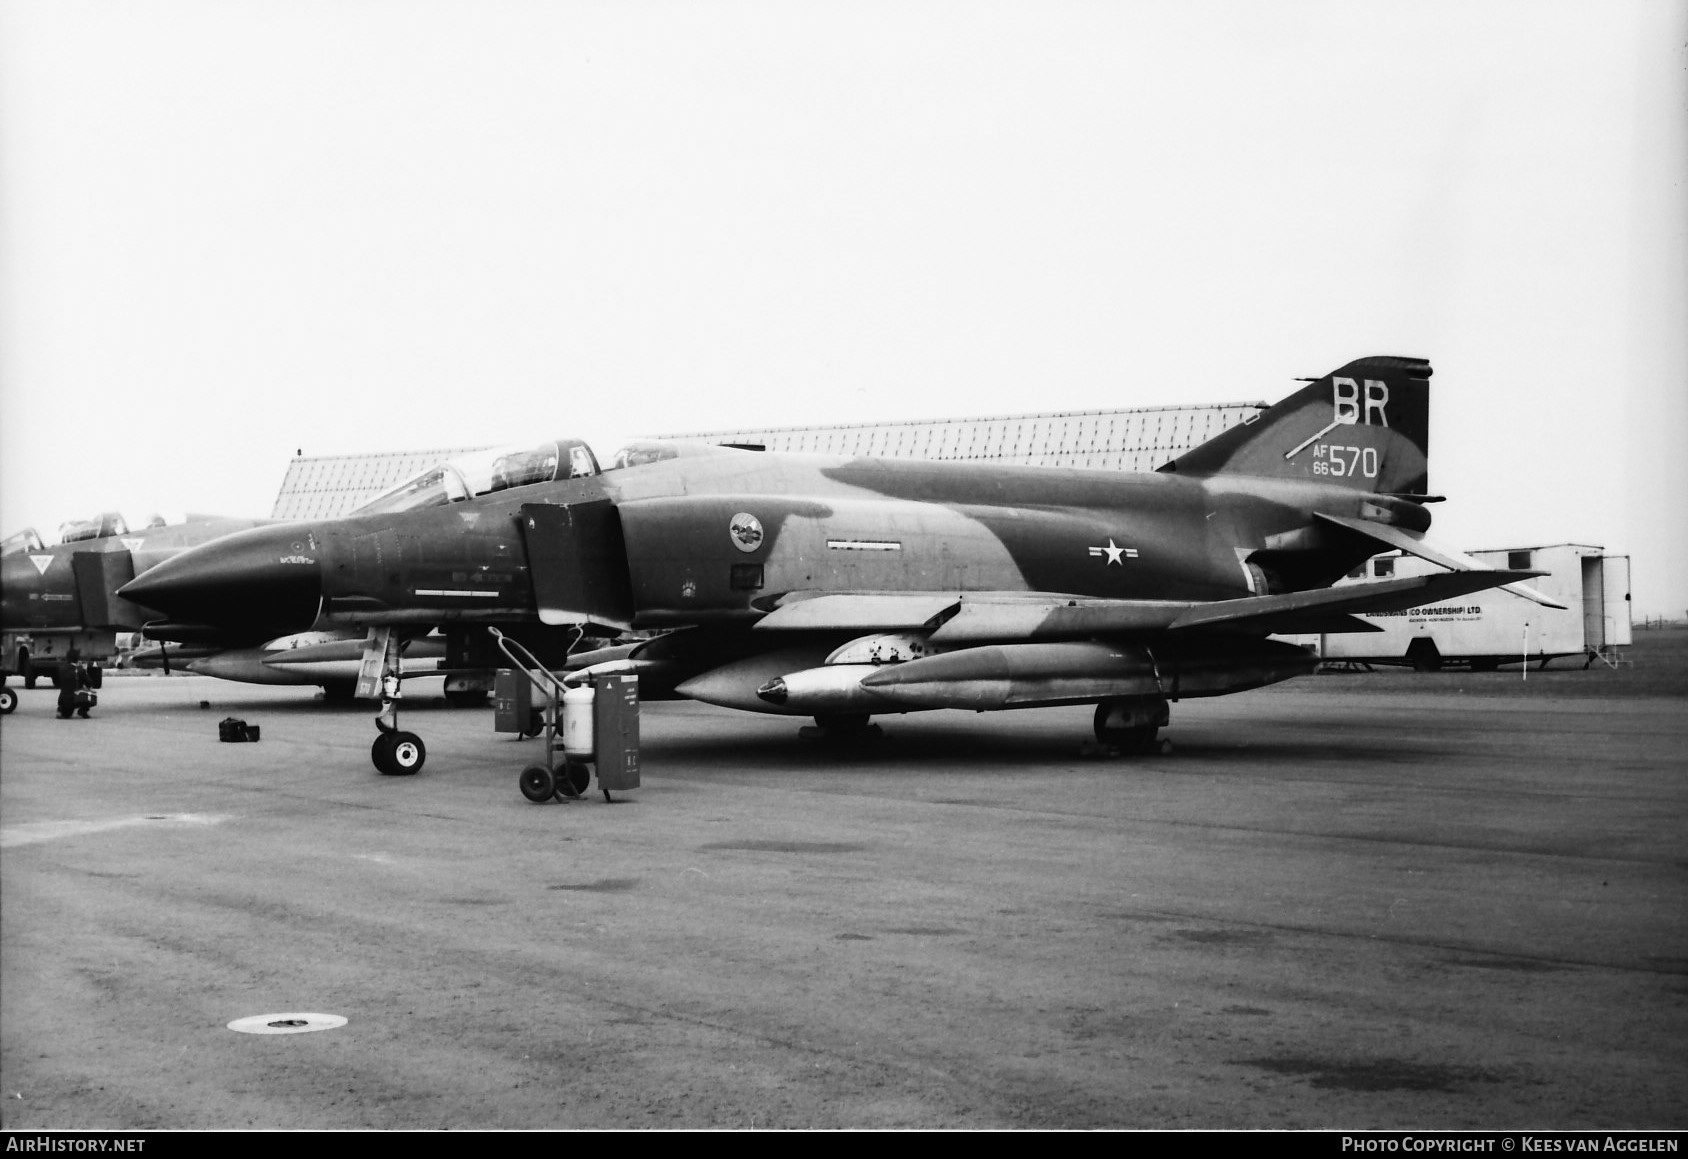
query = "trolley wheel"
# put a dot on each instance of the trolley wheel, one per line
(535, 725)
(573, 779)
(8, 701)
(537, 784)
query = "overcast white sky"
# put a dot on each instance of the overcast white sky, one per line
(230, 230)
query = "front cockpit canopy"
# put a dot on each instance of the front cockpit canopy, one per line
(484, 472)
(25, 540)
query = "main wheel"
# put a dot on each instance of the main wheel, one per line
(466, 697)
(8, 701)
(339, 691)
(537, 784)
(573, 779)
(1130, 724)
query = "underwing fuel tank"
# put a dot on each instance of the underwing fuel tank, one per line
(1024, 675)
(245, 665)
(829, 689)
(735, 685)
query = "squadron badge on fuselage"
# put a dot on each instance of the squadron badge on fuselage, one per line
(746, 531)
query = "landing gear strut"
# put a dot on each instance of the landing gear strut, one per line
(1130, 723)
(395, 753)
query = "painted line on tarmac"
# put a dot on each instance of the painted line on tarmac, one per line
(37, 831)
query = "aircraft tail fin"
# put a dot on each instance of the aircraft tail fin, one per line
(1365, 426)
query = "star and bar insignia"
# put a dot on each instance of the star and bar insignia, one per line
(1114, 552)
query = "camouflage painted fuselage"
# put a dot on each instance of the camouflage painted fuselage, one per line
(723, 536)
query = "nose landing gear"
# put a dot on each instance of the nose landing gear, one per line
(395, 753)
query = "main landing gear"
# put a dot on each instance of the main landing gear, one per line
(1131, 723)
(841, 728)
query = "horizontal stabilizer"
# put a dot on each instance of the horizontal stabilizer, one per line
(1283, 613)
(1324, 624)
(1414, 544)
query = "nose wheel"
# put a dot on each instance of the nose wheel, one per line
(398, 754)
(395, 753)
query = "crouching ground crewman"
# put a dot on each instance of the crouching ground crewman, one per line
(77, 694)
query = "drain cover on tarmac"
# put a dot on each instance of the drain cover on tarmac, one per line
(286, 1023)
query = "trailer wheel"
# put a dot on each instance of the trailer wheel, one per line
(573, 779)
(537, 784)
(8, 701)
(1424, 656)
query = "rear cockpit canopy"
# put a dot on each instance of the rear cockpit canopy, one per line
(637, 454)
(484, 472)
(99, 527)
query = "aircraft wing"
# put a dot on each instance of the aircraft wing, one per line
(960, 619)
(1414, 543)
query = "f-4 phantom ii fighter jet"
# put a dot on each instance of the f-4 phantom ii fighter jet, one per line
(844, 588)
(58, 605)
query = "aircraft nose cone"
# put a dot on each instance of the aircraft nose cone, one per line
(261, 583)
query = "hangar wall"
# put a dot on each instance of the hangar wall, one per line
(1138, 439)
(1118, 440)
(326, 486)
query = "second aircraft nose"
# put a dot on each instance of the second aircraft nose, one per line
(255, 584)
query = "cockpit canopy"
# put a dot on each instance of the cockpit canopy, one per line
(484, 472)
(25, 540)
(638, 454)
(99, 527)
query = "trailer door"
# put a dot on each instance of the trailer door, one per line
(1593, 603)
(1615, 569)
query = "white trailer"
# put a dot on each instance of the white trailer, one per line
(1489, 628)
